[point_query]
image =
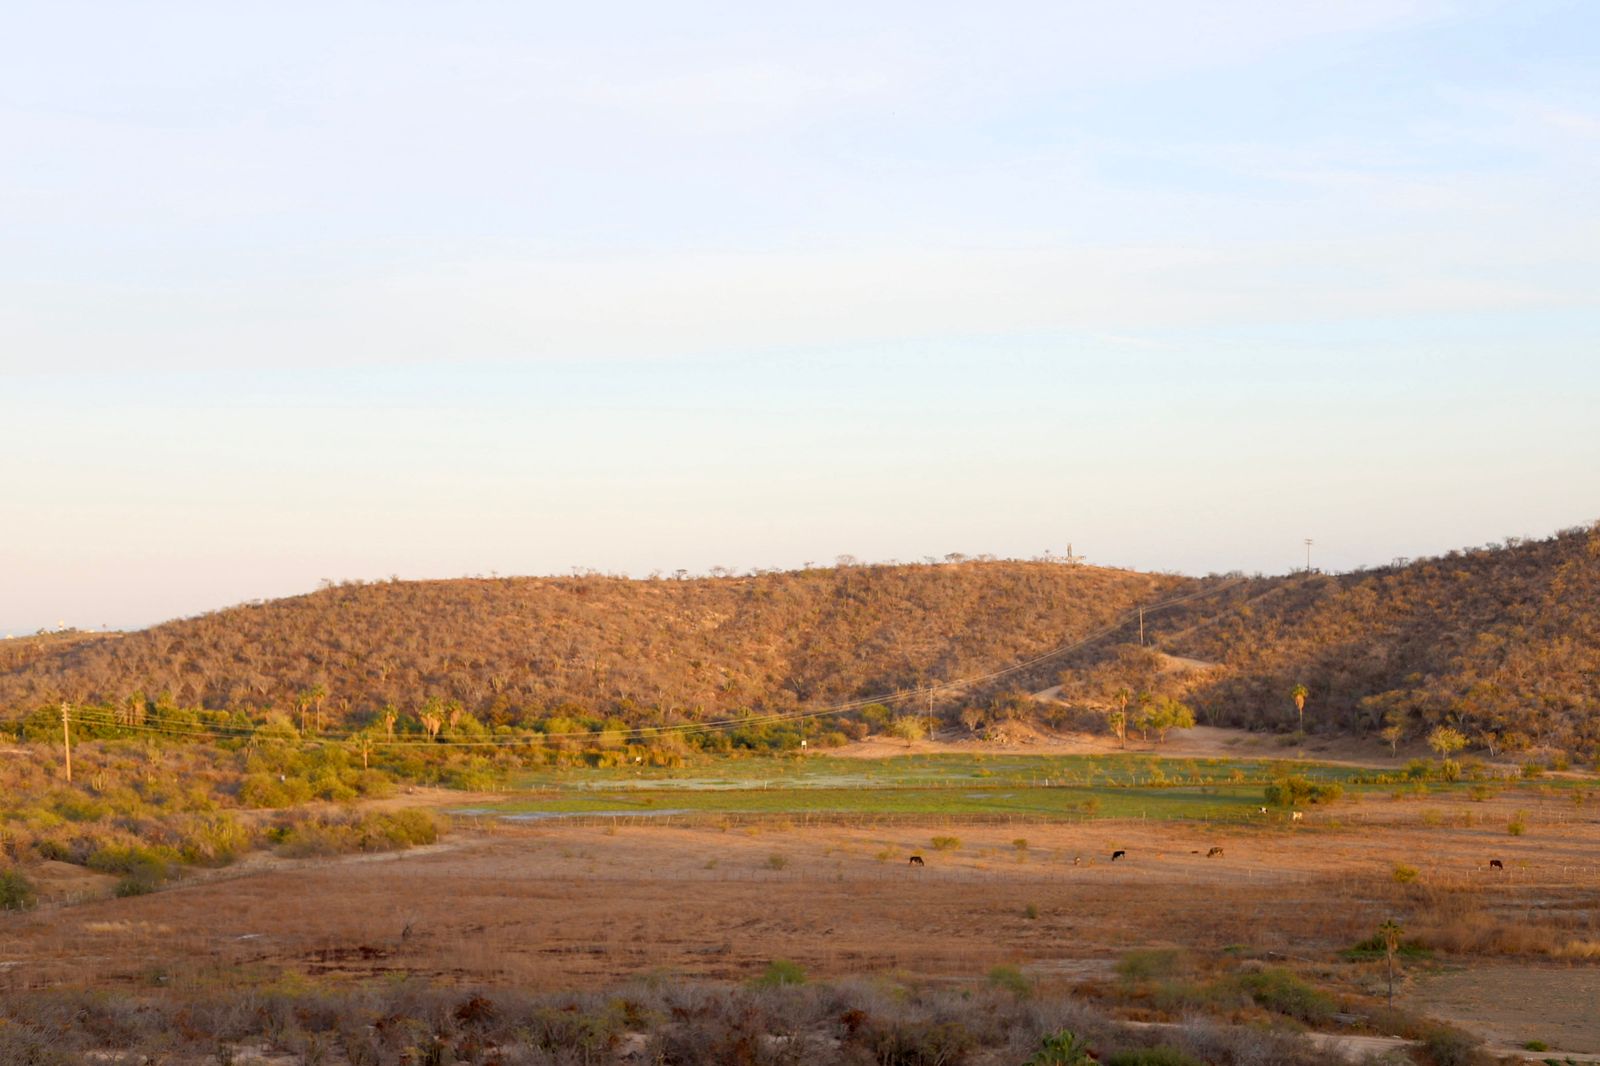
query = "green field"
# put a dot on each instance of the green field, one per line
(933, 771)
(1055, 787)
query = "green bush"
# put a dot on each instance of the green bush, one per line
(1280, 991)
(1065, 1048)
(399, 829)
(1149, 965)
(946, 843)
(16, 892)
(1518, 825)
(136, 862)
(1160, 1055)
(781, 972)
(1012, 980)
(1294, 791)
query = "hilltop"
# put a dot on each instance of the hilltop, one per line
(1501, 643)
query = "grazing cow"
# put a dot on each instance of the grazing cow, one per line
(1296, 816)
(1263, 810)
(1115, 855)
(1496, 864)
(916, 860)
(1214, 853)
(1076, 859)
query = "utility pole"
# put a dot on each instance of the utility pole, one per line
(930, 710)
(1309, 542)
(66, 740)
(1141, 627)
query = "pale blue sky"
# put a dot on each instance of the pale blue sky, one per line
(297, 291)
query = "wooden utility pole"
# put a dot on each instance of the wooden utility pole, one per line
(930, 712)
(66, 741)
(1141, 627)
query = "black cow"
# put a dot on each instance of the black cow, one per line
(1496, 864)
(1115, 855)
(916, 860)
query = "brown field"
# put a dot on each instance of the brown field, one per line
(566, 906)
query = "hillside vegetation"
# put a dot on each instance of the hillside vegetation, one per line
(513, 650)
(1500, 643)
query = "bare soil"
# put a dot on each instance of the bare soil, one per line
(556, 906)
(1511, 1003)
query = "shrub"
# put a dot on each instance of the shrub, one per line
(16, 892)
(1281, 991)
(781, 972)
(941, 1044)
(1064, 1048)
(777, 862)
(133, 860)
(1148, 965)
(1446, 1046)
(399, 829)
(1012, 980)
(1160, 1055)
(1518, 824)
(946, 843)
(1294, 790)
(1403, 874)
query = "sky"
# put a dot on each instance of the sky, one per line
(302, 292)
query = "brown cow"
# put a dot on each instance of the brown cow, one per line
(916, 860)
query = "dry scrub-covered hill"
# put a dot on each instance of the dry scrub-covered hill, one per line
(1501, 643)
(647, 650)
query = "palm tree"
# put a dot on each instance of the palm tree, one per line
(316, 694)
(1299, 694)
(1391, 932)
(1119, 717)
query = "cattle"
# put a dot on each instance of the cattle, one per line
(1076, 859)
(1496, 864)
(1263, 810)
(1214, 853)
(1115, 855)
(1296, 816)
(916, 860)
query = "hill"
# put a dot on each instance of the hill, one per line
(1501, 643)
(645, 651)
